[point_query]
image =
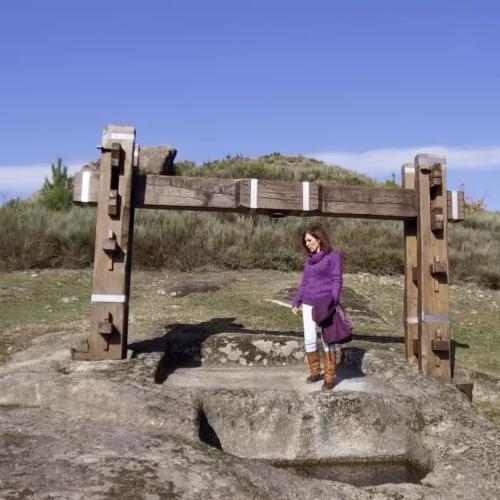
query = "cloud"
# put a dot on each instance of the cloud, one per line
(24, 180)
(385, 161)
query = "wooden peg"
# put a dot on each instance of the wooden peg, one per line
(110, 246)
(116, 151)
(437, 219)
(439, 268)
(436, 176)
(113, 208)
(105, 327)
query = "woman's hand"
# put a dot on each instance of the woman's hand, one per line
(295, 310)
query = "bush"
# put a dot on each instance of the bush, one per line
(58, 193)
(38, 237)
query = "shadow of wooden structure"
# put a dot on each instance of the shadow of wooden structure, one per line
(422, 203)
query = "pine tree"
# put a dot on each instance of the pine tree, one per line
(57, 193)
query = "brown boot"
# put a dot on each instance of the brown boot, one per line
(314, 367)
(330, 370)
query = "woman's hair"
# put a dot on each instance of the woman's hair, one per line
(320, 234)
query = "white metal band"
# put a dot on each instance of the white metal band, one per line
(305, 196)
(254, 187)
(136, 155)
(118, 136)
(454, 205)
(84, 195)
(96, 297)
(412, 320)
(409, 170)
(430, 318)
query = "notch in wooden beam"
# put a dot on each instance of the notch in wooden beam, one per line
(414, 274)
(415, 347)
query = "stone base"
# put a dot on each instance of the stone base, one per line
(105, 429)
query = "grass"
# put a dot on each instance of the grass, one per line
(35, 304)
(55, 298)
(489, 410)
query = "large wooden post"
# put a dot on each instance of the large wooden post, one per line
(410, 297)
(111, 281)
(434, 344)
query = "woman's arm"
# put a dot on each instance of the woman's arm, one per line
(297, 299)
(337, 270)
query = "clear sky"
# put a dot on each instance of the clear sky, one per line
(361, 83)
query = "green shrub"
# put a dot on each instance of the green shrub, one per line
(57, 194)
(14, 203)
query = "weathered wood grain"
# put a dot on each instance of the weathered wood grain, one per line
(201, 193)
(432, 250)
(184, 193)
(368, 202)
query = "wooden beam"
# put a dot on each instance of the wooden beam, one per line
(290, 198)
(410, 296)
(434, 352)
(185, 193)
(114, 230)
(368, 202)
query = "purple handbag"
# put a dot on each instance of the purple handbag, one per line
(335, 325)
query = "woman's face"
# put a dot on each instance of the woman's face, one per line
(312, 243)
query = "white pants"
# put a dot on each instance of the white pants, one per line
(311, 330)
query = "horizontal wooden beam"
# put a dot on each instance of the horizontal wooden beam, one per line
(368, 202)
(264, 197)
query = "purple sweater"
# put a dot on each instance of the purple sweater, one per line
(322, 278)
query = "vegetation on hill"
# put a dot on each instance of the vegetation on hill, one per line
(33, 236)
(274, 167)
(57, 194)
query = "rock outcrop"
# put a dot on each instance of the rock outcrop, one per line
(214, 429)
(153, 160)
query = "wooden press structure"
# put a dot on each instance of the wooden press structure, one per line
(422, 203)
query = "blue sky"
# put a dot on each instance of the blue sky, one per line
(364, 84)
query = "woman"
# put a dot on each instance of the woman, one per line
(322, 278)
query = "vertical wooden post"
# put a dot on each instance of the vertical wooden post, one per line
(410, 297)
(434, 345)
(111, 281)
